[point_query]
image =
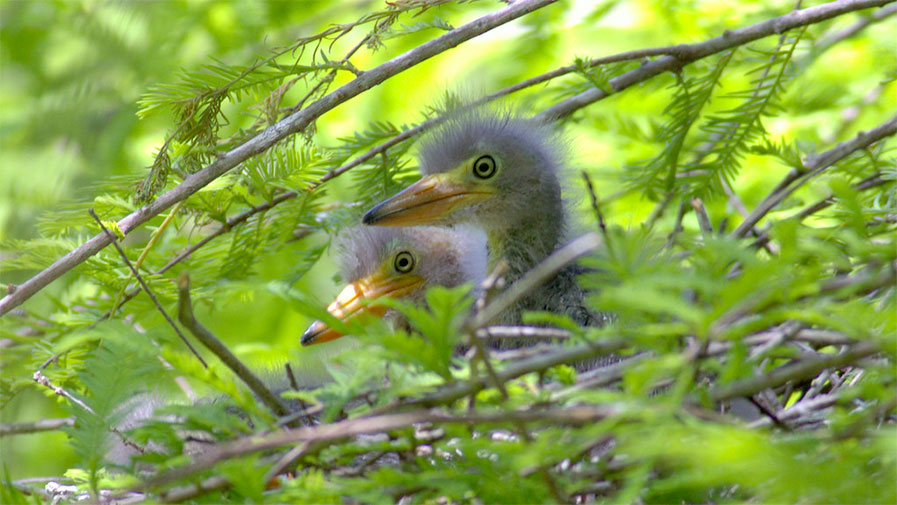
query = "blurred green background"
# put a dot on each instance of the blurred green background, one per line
(72, 73)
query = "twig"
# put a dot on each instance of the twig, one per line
(224, 228)
(307, 413)
(677, 227)
(658, 211)
(146, 288)
(149, 246)
(523, 352)
(867, 183)
(602, 226)
(539, 274)
(703, 218)
(799, 409)
(481, 354)
(287, 460)
(291, 377)
(812, 167)
(830, 39)
(187, 492)
(769, 413)
(859, 425)
(600, 377)
(42, 379)
(9, 429)
(523, 332)
(269, 137)
(609, 374)
(861, 282)
(185, 315)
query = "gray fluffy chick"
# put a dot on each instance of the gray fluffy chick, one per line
(400, 263)
(501, 173)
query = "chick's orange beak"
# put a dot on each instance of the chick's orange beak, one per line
(425, 201)
(350, 303)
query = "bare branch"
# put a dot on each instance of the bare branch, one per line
(185, 316)
(7, 429)
(812, 167)
(688, 53)
(830, 39)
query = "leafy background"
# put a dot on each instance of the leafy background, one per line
(102, 105)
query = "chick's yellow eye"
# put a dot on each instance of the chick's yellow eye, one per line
(403, 262)
(484, 167)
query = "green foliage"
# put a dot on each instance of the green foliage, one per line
(112, 375)
(438, 325)
(141, 95)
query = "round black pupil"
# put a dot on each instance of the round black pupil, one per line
(403, 262)
(483, 167)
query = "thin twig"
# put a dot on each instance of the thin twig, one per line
(42, 379)
(872, 181)
(481, 354)
(8, 429)
(602, 226)
(531, 365)
(523, 332)
(703, 218)
(146, 288)
(535, 277)
(828, 40)
(677, 227)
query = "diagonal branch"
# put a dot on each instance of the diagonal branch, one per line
(812, 167)
(269, 137)
(689, 53)
(186, 317)
(146, 288)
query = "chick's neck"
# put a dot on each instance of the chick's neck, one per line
(528, 240)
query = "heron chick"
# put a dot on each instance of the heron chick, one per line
(399, 263)
(501, 173)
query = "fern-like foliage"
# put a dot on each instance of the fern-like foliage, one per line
(733, 131)
(116, 370)
(691, 96)
(196, 97)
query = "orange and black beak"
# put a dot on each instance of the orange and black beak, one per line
(350, 303)
(426, 201)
